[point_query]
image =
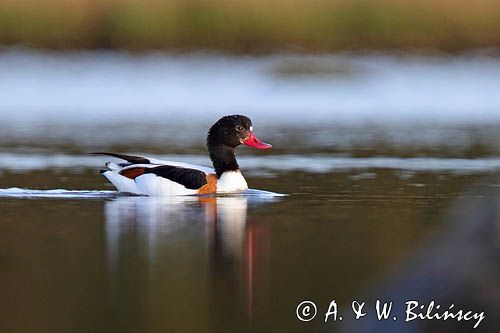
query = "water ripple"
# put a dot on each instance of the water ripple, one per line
(16, 192)
(269, 164)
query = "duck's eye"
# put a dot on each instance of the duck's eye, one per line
(240, 128)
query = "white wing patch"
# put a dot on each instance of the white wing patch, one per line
(155, 186)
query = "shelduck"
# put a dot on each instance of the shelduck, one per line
(152, 177)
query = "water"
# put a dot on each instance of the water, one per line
(383, 198)
(111, 86)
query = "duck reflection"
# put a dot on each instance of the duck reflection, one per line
(237, 249)
(205, 244)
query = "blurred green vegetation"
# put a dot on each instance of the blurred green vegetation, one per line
(252, 25)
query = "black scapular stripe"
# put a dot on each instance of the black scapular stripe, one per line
(191, 178)
(129, 158)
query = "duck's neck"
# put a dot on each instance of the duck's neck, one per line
(223, 158)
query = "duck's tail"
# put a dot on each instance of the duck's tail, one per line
(113, 171)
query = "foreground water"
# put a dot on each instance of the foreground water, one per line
(385, 199)
(84, 261)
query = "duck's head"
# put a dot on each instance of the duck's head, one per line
(231, 131)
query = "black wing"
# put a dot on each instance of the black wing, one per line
(129, 158)
(191, 178)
